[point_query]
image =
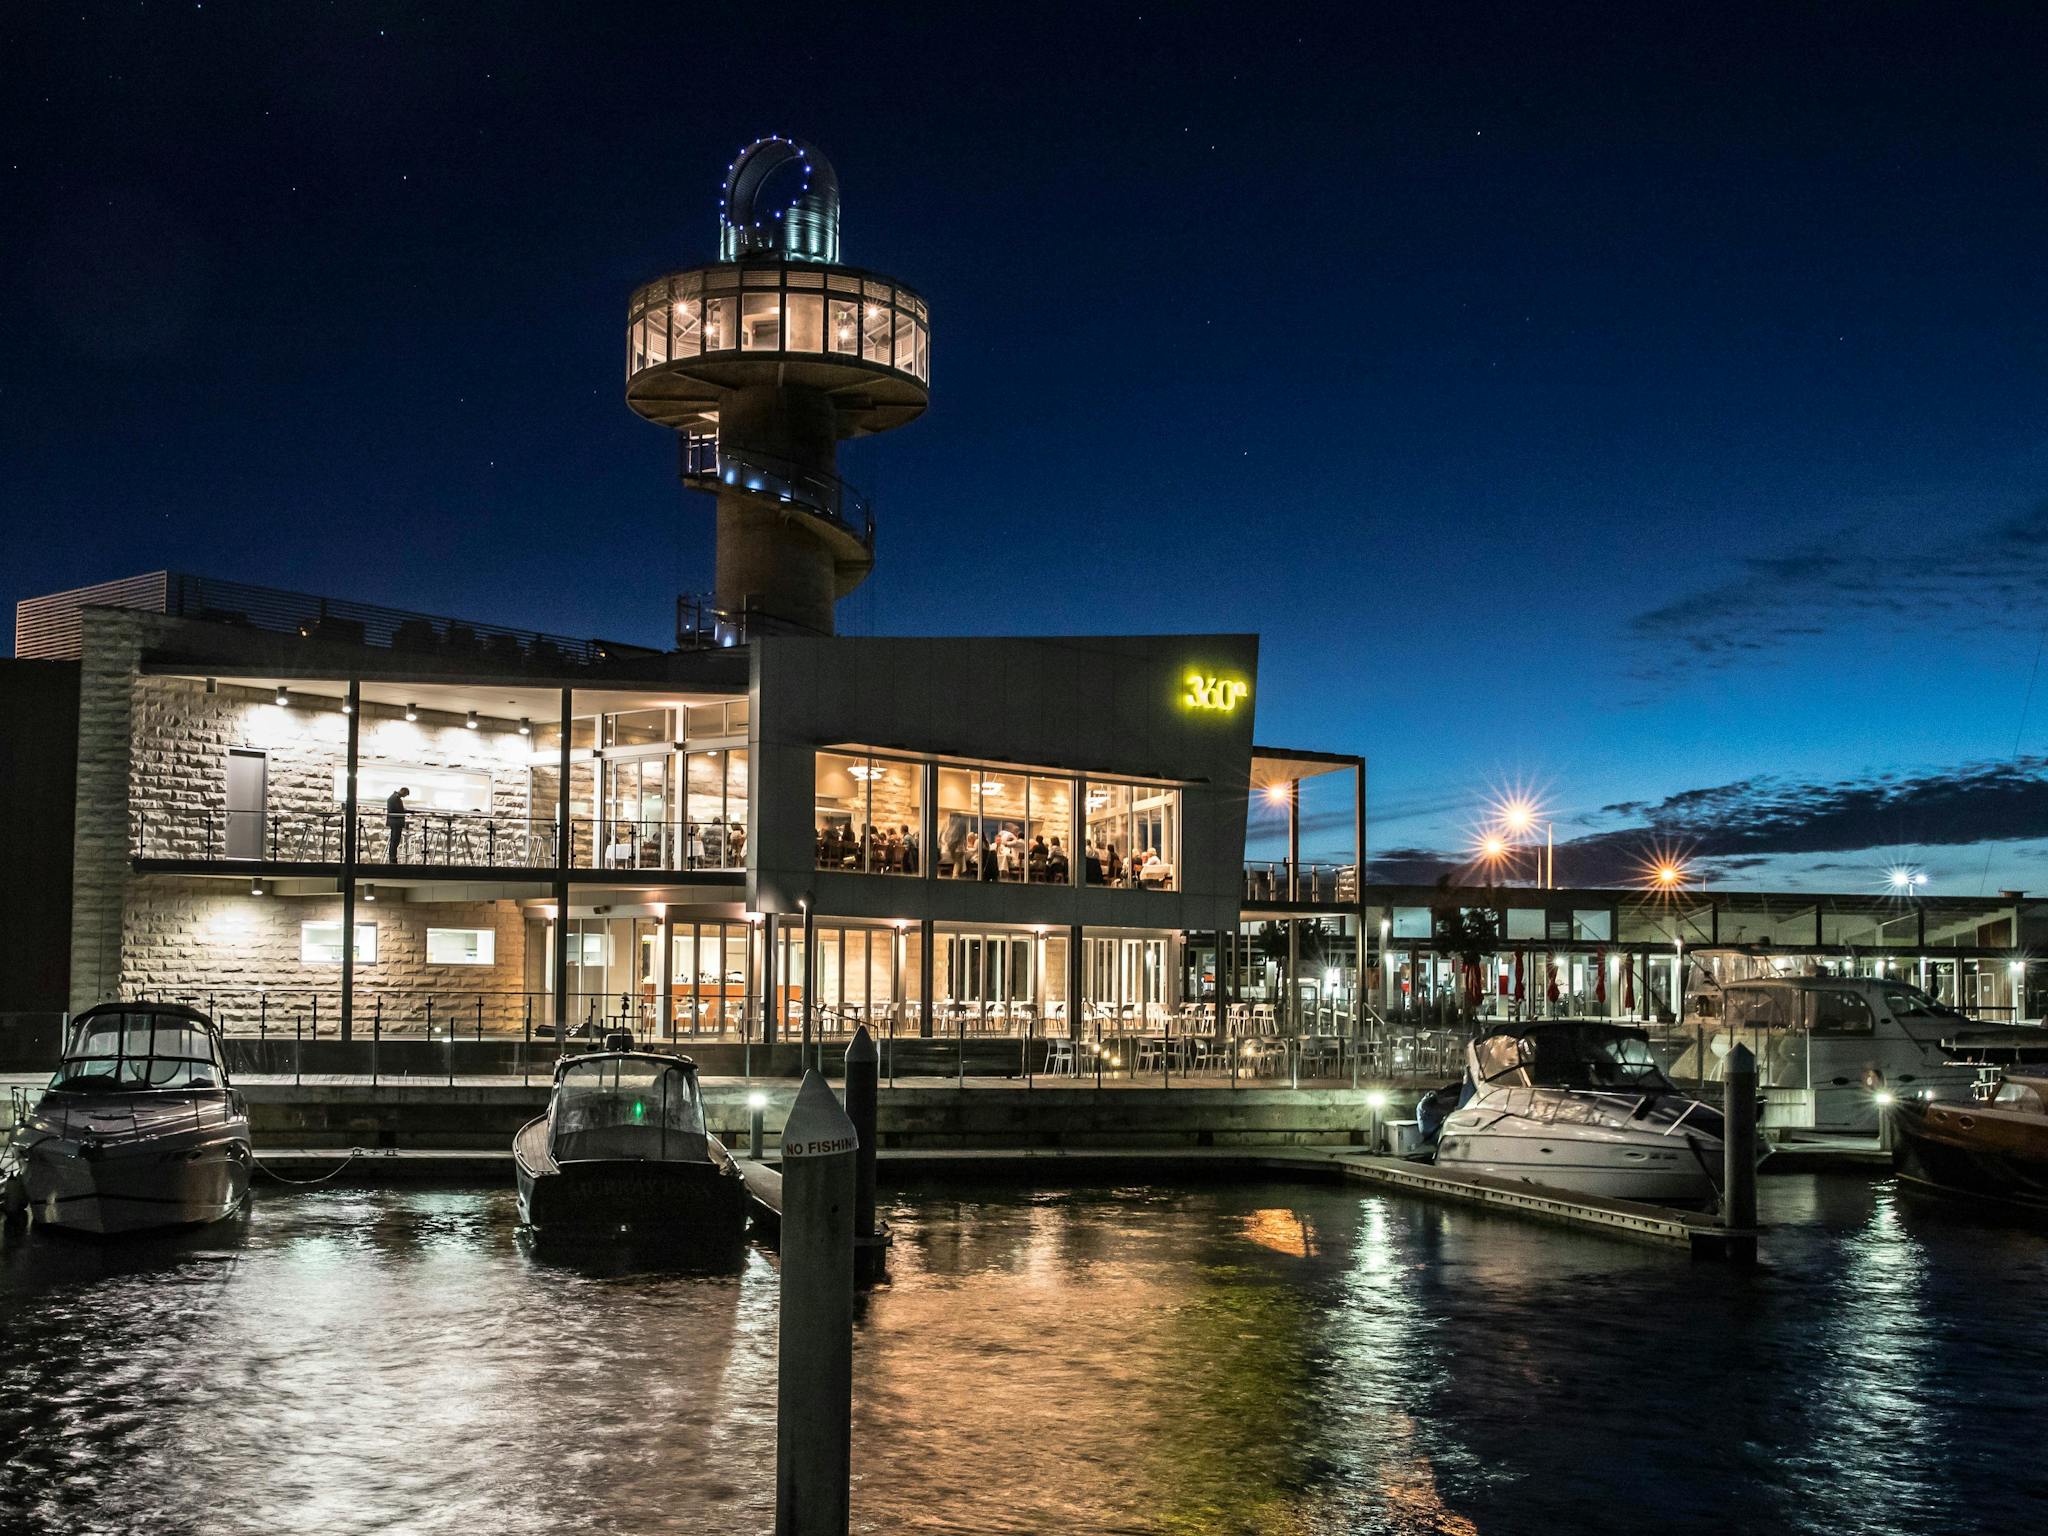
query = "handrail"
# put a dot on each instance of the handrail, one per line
(706, 457)
(460, 839)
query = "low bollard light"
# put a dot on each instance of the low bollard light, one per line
(1376, 1101)
(757, 1110)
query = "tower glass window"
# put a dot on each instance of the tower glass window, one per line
(868, 813)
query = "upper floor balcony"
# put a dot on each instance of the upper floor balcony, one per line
(1277, 883)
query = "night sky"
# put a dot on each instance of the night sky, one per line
(1642, 406)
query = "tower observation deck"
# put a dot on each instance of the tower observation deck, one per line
(762, 363)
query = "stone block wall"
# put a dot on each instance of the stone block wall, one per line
(196, 940)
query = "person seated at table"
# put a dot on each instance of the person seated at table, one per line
(1037, 859)
(824, 841)
(990, 861)
(1056, 867)
(892, 852)
(968, 866)
(1009, 855)
(1113, 865)
(909, 851)
(1092, 862)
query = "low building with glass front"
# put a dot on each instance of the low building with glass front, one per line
(957, 838)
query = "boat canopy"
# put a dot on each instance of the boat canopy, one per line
(631, 1106)
(130, 1048)
(1569, 1055)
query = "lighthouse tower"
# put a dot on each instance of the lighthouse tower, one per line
(762, 363)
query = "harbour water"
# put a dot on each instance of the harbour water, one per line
(1232, 1358)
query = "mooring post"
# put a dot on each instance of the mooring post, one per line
(863, 1074)
(1738, 1191)
(757, 1112)
(814, 1364)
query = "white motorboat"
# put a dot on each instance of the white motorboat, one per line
(139, 1129)
(1582, 1107)
(1831, 1051)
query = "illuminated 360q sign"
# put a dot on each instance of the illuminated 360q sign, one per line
(1222, 694)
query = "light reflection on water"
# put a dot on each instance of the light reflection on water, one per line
(1241, 1359)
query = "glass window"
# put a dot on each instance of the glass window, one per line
(761, 322)
(806, 322)
(714, 809)
(1413, 923)
(1109, 832)
(868, 811)
(1596, 924)
(906, 341)
(1133, 835)
(1840, 1012)
(320, 943)
(721, 324)
(841, 817)
(1049, 831)
(958, 847)
(878, 326)
(639, 727)
(688, 327)
(461, 946)
(924, 354)
(845, 325)
(1525, 923)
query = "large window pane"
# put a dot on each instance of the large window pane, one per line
(895, 810)
(958, 850)
(1133, 837)
(1049, 831)
(878, 328)
(845, 325)
(761, 322)
(1002, 825)
(806, 322)
(840, 822)
(1109, 832)
(721, 324)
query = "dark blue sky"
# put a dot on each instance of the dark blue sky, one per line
(1645, 405)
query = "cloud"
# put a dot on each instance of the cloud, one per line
(1745, 825)
(1993, 574)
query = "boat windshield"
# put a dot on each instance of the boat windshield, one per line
(124, 1052)
(1906, 1003)
(623, 1106)
(1590, 1056)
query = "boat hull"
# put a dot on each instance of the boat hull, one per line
(156, 1183)
(1972, 1149)
(681, 1203)
(1667, 1175)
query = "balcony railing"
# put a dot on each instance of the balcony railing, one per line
(430, 839)
(822, 495)
(1312, 883)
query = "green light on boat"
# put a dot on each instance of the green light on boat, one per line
(639, 1109)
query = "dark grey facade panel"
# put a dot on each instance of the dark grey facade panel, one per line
(38, 789)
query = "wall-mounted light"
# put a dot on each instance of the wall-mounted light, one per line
(525, 726)
(256, 887)
(412, 711)
(284, 696)
(347, 708)
(471, 721)
(369, 891)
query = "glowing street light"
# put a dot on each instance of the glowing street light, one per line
(1514, 820)
(1904, 880)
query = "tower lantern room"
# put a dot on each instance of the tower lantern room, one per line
(761, 364)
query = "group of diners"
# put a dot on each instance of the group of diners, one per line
(1005, 854)
(879, 850)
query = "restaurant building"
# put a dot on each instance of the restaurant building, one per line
(990, 836)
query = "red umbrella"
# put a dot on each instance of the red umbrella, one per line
(1600, 977)
(1518, 975)
(1550, 982)
(1628, 988)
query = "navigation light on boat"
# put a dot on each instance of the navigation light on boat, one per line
(1883, 1096)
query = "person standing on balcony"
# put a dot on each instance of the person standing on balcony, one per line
(394, 821)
